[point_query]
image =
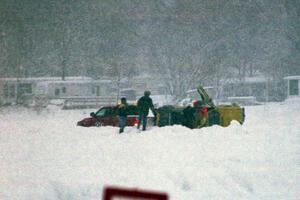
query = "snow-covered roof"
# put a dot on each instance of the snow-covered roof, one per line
(79, 81)
(190, 91)
(69, 78)
(126, 89)
(48, 80)
(292, 77)
(195, 90)
(255, 79)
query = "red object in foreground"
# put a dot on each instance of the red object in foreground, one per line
(132, 194)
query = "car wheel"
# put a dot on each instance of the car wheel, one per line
(98, 124)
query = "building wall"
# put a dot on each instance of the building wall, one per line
(60, 89)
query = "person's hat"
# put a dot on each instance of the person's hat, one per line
(147, 93)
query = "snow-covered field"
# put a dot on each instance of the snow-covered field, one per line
(45, 156)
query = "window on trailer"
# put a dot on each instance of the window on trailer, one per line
(25, 88)
(9, 91)
(98, 90)
(294, 87)
(64, 90)
(56, 92)
(6, 91)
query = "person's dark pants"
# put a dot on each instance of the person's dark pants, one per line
(122, 123)
(142, 119)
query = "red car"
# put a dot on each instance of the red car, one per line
(107, 116)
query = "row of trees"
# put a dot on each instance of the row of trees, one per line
(180, 42)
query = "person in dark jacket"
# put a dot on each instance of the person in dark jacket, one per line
(144, 104)
(122, 113)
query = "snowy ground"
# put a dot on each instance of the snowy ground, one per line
(45, 156)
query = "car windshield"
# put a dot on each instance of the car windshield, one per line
(108, 111)
(101, 112)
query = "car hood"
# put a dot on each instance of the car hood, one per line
(88, 119)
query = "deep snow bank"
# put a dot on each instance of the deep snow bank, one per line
(45, 156)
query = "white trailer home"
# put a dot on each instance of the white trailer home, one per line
(27, 91)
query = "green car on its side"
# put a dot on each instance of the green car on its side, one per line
(203, 113)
